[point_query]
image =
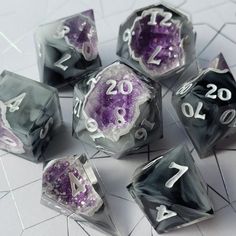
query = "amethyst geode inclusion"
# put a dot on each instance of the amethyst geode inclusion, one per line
(157, 40)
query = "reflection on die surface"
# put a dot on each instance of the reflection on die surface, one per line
(72, 187)
(170, 191)
(157, 40)
(67, 48)
(206, 105)
(30, 112)
(116, 109)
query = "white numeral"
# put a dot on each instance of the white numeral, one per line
(227, 117)
(152, 59)
(91, 125)
(77, 107)
(164, 214)
(14, 103)
(184, 88)
(188, 111)
(121, 87)
(164, 22)
(44, 131)
(76, 186)
(141, 133)
(167, 17)
(182, 169)
(59, 64)
(222, 93)
(127, 35)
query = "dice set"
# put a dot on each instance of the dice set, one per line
(30, 112)
(67, 48)
(170, 191)
(157, 40)
(116, 109)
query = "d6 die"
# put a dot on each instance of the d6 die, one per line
(71, 187)
(66, 48)
(157, 40)
(117, 109)
(30, 112)
(206, 105)
(170, 191)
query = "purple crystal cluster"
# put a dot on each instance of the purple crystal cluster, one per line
(57, 185)
(114, 102)
(82, 34)
(156, 43)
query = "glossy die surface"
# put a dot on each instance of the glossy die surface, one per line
(71, 187)
(67, 48)
(170, 191)
(206, 105)
(30, 112)
(117, 109)
(157, 40)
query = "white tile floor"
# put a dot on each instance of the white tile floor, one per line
(20, 181)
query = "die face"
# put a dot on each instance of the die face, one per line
(67, 48)
(206, 106)
(157, 40)
(171, 192)
(30, 111)
(117, 109)
(71, 187)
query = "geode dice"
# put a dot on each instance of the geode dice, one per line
(71, 187)
(67, 48)
(157, 40)
(117, 109)
(29, 114)
(170, 191)
(206, 105)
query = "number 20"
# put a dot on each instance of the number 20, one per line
(120, 87)
(222, 93)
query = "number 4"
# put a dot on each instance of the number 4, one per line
(14, 103)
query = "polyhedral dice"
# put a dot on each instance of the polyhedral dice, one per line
(170, 191)
(157, 40)
(206, 105)
(71, 187)
(67, 48)
(116, 109)
(30, 112)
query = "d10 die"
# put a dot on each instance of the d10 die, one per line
(67, 48)
(170, 191)
(206, 105)
(117, 109)
(71, 187)
(29, 113)
(157, 40)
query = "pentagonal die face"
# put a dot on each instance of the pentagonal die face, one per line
(170, 191)
(67, 48)
(117, 109)
(30, 112)
(157, 40)
(206, 105)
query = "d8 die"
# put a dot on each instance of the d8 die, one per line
(66, 48)
(71, 187)
(157, 40)
(30, 112)
(117, 109)
(206, 105)
(170, 191)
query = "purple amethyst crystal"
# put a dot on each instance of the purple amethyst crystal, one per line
(66, 182)
(113, 103)
(8, 140)
(155, 41)
(81, 34)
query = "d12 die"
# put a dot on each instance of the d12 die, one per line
(206, 105)
(29, 113)
(157, 40)
(170, 191)
(71, 187)
(117, 109)
(67, 48)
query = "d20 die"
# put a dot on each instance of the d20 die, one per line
(67, 48)
(157, 40)
(206, 105)
(117, 109)
(71, 187)
(30, 112)
(170, 191)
